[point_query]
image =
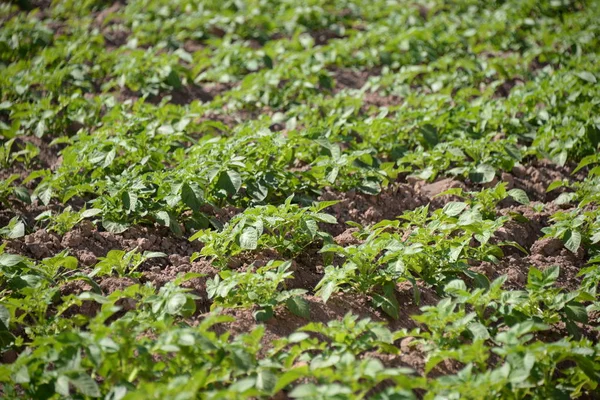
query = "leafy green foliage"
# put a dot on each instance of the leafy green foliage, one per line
(123, 263)
(66, 220)
(287, 228)
(260, 288)
(575, 228)
(181, 113)
(432, 248)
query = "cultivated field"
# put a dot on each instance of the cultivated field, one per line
(318, 199)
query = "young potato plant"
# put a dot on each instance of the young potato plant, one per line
(576, 228)
(357, 169)
(13, 230)
(263, 287)
(524, 369)
(30, 291)
(287, 228)
(146, 71)
(9, 190)
(477, 160)
(66, 220)
(502, 323)
(9, 155)
(432, 248)
(123, 263)
(23, 37)
(363, 271)
(586, 191)
(340, 361)
(486, 200)
(329, 362)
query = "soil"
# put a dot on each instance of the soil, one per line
(346, 78)
(323, 36)
(87, 243)
(374, 99)
(367, 209)
(535, 177)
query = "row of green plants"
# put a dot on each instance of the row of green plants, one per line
(495, 335)
(427, 136)
(165, 112)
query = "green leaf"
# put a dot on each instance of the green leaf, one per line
(555, 185)
(387, 302)
(258, 191)
(189, 308)
(110, 157)
(572, 240)
(454, 208)
(4, 318)
(164, 218)
(322, 217)
(576, 312)
(586, 76)
(290, 376)
(90, 212)
(550, 275)
(369, 187)
(305, 390)
(10, 260)
(327, 290)
(565, 198)
(173, 80)
(298, 337)
(129, 200)
(154, 254)
(481, 281)
(595, 238)
(191, 196)
(249, 238)
(165, 129)
(311, 226)
(45, 196)
(430, 136)
(266, 380)
(61, 386)
(22, 194)
(519, 196)
(573, 329)
(85, 385)
(114, 226)
(230, 181)
(484, 173)
(14, 230)
(332, 175)
(21, 375)
(263, 314)
(479, 331)
(456, 286)
(298, 306)
(585, 161)
(175, 303)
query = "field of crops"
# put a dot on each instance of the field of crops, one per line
(318, 199)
